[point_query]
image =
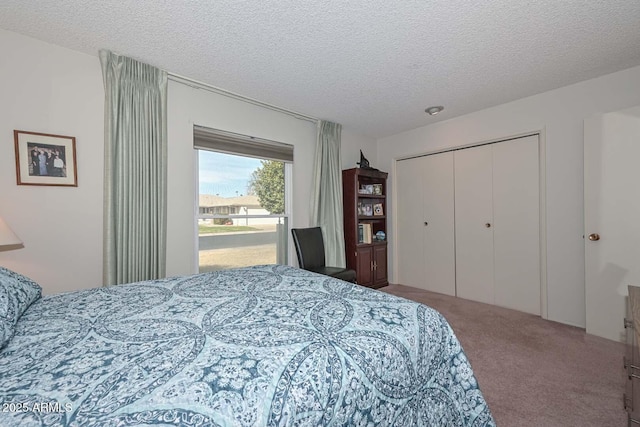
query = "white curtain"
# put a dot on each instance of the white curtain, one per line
(135, 187)
(326, 198)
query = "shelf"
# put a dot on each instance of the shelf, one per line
(371, 217)
(371, 196)
(373, 243)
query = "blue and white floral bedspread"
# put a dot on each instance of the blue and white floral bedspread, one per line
(261, 346)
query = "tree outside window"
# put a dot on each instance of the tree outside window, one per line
(267, 182)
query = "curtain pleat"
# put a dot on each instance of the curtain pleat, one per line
(326, 198)
(135, 188)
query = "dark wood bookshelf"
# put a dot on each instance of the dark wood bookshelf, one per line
(368, 259)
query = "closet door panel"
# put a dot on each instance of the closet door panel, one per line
(516, 228)
(474, 223)
(409, 210)
(439, 223)
(426, 245)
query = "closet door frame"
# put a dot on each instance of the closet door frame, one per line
(542, 195)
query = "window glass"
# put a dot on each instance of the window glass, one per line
(241, 211)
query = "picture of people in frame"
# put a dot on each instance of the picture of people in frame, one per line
(47, 160)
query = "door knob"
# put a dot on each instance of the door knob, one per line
(488, 225)
(426, 223)
(594, 237)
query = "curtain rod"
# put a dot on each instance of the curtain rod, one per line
(201, 85)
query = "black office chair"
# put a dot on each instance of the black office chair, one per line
(310, 250)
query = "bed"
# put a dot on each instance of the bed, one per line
(260, 346)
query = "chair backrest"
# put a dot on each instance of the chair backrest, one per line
(309, 247)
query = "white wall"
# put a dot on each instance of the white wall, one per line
(49, 89)
(559, 114)
(189, 106)
(352, 143)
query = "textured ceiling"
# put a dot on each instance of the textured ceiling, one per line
(372, 65)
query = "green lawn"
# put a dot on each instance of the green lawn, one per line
(208, 229)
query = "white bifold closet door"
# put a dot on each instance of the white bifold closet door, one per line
(426, 252)
(468, 223)
(473, 221)
(497, 215)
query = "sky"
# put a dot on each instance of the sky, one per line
(224, 174)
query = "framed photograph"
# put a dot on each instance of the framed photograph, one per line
(369, 188)
(377, 209)
(368, 210)
(377, 189)
(45, 159)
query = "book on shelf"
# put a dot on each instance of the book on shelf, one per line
(365, 234)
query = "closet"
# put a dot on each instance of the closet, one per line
(468, 223)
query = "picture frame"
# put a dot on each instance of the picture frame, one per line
(377, 209)
(377, 189)
(368, 211)
(365, 189)
(45, 159)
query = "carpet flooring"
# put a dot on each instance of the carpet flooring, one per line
(534, 372)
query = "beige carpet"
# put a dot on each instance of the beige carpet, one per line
(534, 372)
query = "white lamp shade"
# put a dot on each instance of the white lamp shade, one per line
(7, 237)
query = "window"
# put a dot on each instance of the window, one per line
(242, 200)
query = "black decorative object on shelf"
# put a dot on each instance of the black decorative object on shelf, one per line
(364, 163)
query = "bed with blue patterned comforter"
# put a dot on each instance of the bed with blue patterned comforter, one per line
(259, 346)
